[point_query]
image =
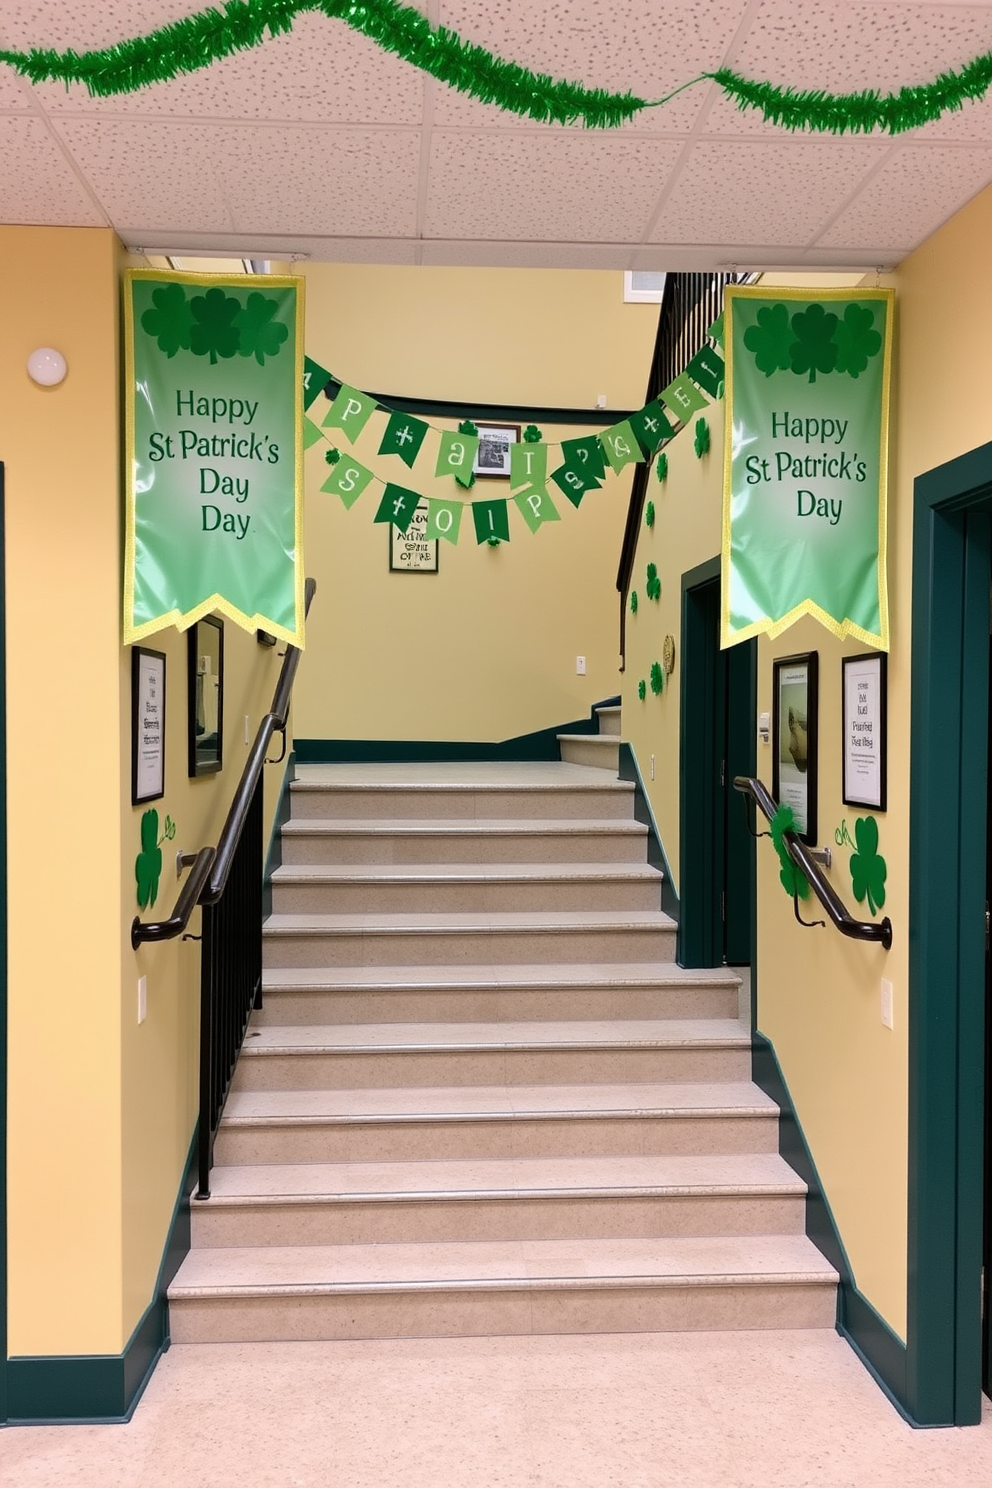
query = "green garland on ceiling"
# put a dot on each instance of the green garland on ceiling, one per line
(198, 40)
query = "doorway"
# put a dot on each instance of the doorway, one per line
(718, 741)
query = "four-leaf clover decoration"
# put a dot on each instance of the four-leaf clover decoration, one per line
(260, 336)
(771, 339)
(215, 333)
(148, 864)
(168, 320)
(857, 340)
(814, 349)
(868, 869)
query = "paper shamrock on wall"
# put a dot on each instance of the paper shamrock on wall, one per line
(657, 678)
(148, 864)
(633, 601)
(868, 869)
(642, 689)
(661, 466)
(793, 879)
(653, 583)
(649, 514)
(701, 443)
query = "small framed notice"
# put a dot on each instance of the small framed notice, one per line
(794, 726)
(147, 725)
(865, 685)
(412, 551)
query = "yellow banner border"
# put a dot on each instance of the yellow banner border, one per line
(183, 619)
(839, 628)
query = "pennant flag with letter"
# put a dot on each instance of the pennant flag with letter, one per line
(574, 483)
(315, 379)
(350, 412)
(584, 454)
(397, 506)
(443, 519)
(683, 398)
(715, 332)
(621, 446)
(311, 433)
(651, 426)
(806, 462)
(536, 508)
(457, 454)
(404, 436)
(491, 520)
(528, 465)
(347, 480)
(707, 369)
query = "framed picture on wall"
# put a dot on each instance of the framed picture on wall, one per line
(492, 458)
(412, 551)
(147, 725)
(864, 689)
(794, 736)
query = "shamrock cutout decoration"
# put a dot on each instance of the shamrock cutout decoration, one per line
(771, 339)
(857, 340)
(332, 455)
(215, 333)
(653, 584)
(148, 864)
(814, 349)
(633, 601)
(532, 434)
(701, 443)
(642, 689)
(170, 320)
(657, 678)
(649, 514)
(260, 337)
(868, 869)
(793, 879)
(661, 466)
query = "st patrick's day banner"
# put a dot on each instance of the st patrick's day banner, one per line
(805, 471)
(214, 387)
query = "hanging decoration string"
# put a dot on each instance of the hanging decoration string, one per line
(195, 42)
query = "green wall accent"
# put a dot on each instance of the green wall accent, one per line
(273, 858)
(630, 770)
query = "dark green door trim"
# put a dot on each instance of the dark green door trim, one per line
(3, 962)
(700, 723)
(948, 736)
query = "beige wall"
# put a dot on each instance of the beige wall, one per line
(101, 1110)
(485, 649)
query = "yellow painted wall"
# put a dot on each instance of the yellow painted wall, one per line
(100, 1110)
(485, 649)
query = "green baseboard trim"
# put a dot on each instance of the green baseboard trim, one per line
(273, 858)
(630, 770)
(881, 1351)
(81, 1389)
(540, 745)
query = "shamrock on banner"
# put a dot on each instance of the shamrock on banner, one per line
(404, 436)
(350, 412)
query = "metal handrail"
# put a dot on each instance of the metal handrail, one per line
(802, 857)
(212, 865)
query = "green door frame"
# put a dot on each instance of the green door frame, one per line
(947, 872)
(3, 962)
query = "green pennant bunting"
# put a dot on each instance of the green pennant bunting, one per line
(621, 446)
(536, 508)
(443, 519)
(311, 433)
(397, 506)
(457, 454)
(683, 398)
(651, 426)
(707, 369)
(491, 521)
(404, 436)
(574, 483)
(715, 331)
(350, 412)
(315, 379)
(348, 480)
(585, 454)
(528, 465)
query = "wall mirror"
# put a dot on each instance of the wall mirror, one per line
(206, 695)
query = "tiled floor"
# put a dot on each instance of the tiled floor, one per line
(779, 1410)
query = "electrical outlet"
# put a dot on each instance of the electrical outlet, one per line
(142, 998)
(580, 666)
(652, 767)
(887, 1015)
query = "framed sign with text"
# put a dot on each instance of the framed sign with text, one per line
(147, 725)
(794, 736)
(413, 551)
(865, 687)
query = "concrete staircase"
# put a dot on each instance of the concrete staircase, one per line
(481, 1097)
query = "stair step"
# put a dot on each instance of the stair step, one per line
(530, 1198)
(354, 1056)
(500, 1288)
(432, 792)
(335, 994)
(600, 751)
(500, 1121)
(608, 719)
(463, 887)
(459, 840)
(568, 935)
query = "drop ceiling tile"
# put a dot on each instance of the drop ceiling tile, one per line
(13, 95)
(779, 192)
(502, 255)
(917, 189)
(589, 187)
(37, 183)
(628, 46)
(321, 70)
(86, 23)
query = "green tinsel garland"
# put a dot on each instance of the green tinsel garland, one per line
(196, 41)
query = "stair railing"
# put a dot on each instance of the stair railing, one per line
(803, 858)
(226, 882)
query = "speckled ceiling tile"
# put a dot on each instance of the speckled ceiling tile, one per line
(37, 184)
(917, 189)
